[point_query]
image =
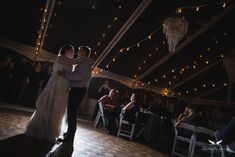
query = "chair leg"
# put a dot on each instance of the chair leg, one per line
(192, 149)
(132, 131)
(97, 119)
(173, 148)
(119, 129)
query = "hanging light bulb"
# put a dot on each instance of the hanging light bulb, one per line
(204, 85)
(156, 80)
(224, 5)
(101, 70)
(179, 10)
(197, 9)
(213, 85)
(222, 56)
(186, 92)
(149, 83)
(225, 84)
(138, 45)
(150, 37)
(150, 55)
(107, 66)
(114, 59)
(128, 49)
(207, 62)
(139, 68)
(195, 89)
(144, 61)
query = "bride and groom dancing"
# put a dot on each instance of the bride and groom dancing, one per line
(65, 89)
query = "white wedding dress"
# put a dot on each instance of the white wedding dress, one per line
(46, 121)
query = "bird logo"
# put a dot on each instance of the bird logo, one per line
(215, 143)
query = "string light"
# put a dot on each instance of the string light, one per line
(197, 9)
(150, 37)
(224, 5)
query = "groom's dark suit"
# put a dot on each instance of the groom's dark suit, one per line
(79, 81)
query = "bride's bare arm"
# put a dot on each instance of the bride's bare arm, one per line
(67, 61)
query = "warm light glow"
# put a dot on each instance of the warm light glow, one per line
(139, 68)
(165, 92)
(224, 5)
(150, 37)
(194, 67)
(98, 44)
(115, 18)
(101, 70)
(207, 62)
(149, 83)
(225, 84)
(142, 84)
(200, 55)
(208, 49)
(138, 45)
(155, 80)
(213, 85)
(107, 66)
(204, 85)
(179, 10)
(128, 49)
(135, 76)
(121, 50)
(222, 56)
(197, 8)
(195, 89)
(120, 7)
(144, 61)
(187, 92)
(114, 60)
(164, 76)
(150, 55)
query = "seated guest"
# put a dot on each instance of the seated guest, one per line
(130, 109)
(227, 135)
(188, 116)
(103, 90)
(110, 105)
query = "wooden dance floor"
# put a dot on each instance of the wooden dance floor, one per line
(89, 141)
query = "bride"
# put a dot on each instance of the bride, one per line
(45, 122)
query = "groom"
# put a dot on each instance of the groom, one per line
(79, 80)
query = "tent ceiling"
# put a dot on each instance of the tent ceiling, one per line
(95, 23)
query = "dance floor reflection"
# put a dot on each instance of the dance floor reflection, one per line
(89, 141)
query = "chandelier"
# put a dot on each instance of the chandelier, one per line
(229, 65)
(174, 28)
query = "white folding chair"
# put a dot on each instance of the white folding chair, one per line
(126, 132)
(99, 115)
(184, 139)
(210, 134)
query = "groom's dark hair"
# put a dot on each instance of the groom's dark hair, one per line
(86, 49)
(65, 48)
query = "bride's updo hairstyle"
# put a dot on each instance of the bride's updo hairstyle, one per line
(65, 48)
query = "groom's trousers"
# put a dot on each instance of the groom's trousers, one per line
(76, 95)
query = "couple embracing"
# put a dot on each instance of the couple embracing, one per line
(65, 89)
